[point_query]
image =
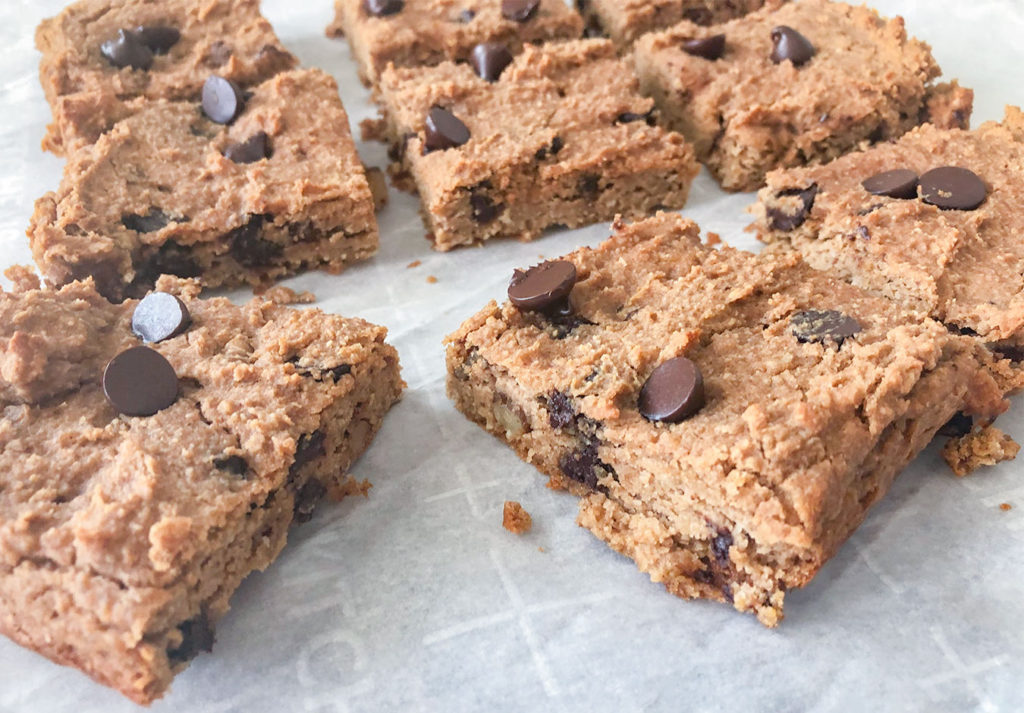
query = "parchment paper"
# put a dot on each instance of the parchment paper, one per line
(416, 599)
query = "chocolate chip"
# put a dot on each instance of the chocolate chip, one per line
(254, 148)
(720, 545)
(780, 220)
(444, 130)
(160, 316)
(196, 637)
(711, 48)
(960, 425)
(169, 259)
(673, 392)
(308, 449)
(584, 466)
(542, 286)
(159, 38)
(790, 44)
(489, 60)
(222, 100)
(628, 117)
(248, 246)
(307, 498)
(234, 465)
(588, 185)
(467, 15)
(339, 371)
(219, 54)
(519, 10)
(593, 28)
(898, 183)
(561, 412)
(140, 382)
(814, 325)
(127, 50)
(149, 223)
(485, 210)
(544, 151)
(383, 8)
(953, 188)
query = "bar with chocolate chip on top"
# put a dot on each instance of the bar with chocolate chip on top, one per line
(625, 20)
(102, 60)
(154, 453)
(558, 137)
(235, 188)
(726, 419)
(419, 33)
(792, 84)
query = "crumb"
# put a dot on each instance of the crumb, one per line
(1006, 507)
(281, 295)
(414, 263)
(431, 279)
(22, 277)
(515, 519)
(349, 486)
(712, 239)
(378, 187)
(541, 549)
(372, 130)
(985, 447)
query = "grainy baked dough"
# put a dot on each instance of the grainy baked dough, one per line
(121, 538)
(751, 495)
(625, 20)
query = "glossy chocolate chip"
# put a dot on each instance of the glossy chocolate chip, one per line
(489, 60)
(898, 183)
(233, 465)
(779, 219)
(444, 130)
(790, 44)
(627, 117)
(149, 223)
(519, 10)
(542, 286)
(711, 48)
(383, 8)
(160, 316)
(127, 50)
(673, 392)
(255, 148)
(953, 188)
(159, 38)
(196, 637)
(140, 382)
(823, 325)
(223, 101)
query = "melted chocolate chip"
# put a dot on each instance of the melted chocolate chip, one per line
(790, 44)
(589, 185)
(710, 48)
(489, 60)
(720, 545)
(307, 498)
(310, 447)
(673, 392)
(169, 259)
(953, 188)
(254, 148)
(249, 247)
(780, 220)
(444, 130)
(339, 371)
(149, 223)
(485, 210)
(960, 425)
(159, 38)
(542, 286)
(556, 145)
(383, 8)
(233, 465)
(627, 117)
(561, 412)
(823, 326)
(519, 10)
(140, 382)
(196, 637)
(898, 183)
(223, 101)
(160, 316)
(127, 50)
(584, 466)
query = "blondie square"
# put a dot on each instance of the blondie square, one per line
(561, 137)
(171, 189)
(154, 453)
(625, 20)
(413, 33)
(726, 419)
(103, 59)
(793, 84)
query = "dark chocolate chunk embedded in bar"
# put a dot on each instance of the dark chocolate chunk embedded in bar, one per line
(254, 148)
(489, 60)
(140, 382)
(788, 44)
(542, 286)
(443, 130)
(519, 10)
(898, 183)
(953, 188)
(710, 48)
(823, 325)
(383, 8)
(160, 316)
(127, 50)
(673, 392)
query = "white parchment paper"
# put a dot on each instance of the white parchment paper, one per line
(416, 599)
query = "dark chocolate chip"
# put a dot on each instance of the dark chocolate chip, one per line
(339, 371)
(234, 465)
(673, 392)
(485, 210)
(443, 131)
(149, 223)
(467, 16)
(953, 188)
(790, 44)
(310, 447)
(159, 38)
(628, 117)
(814, 325)
(127, 50)
(169, 259)
(561, 412)
(519, 10)
(711, 48)
(489, 60)
(699, 15)
(863, 232)
(307, 498)
(1013, 352)
(551, 150)
(960, 425)
(219, 54)
(254, 148)
(898, 183)
(780, 220)
(140, 382)
(248, 246)
(584, 466)
(222, 100)
(593, 28)
(720, 545)
(542, 286)
(160, 316)
(588, 185)
(196, 637)
(383, 8)
(564, 319)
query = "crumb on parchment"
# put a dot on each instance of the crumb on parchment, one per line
(515, 519)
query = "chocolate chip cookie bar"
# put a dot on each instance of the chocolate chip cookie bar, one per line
(932, 221)
(154, 453)
(726, 419)
(240, 188)
(559, 136)
(413, 33)
(793, 84)
(103, 59)
(625, 20)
